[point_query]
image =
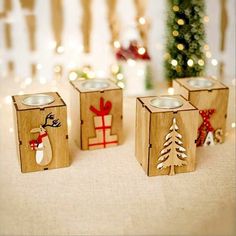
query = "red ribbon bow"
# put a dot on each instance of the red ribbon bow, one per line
(34, 143)
(104, 108)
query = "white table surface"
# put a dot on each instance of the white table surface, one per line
(106, 192)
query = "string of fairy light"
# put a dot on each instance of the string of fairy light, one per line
(193, 59)
(142, 21)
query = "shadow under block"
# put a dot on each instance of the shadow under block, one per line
(41, 148)
(153, 125)
(93, 130)
(213, 100)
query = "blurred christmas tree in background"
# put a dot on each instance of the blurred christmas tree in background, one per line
(185, 39)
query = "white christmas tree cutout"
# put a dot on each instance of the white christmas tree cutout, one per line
(173, 153)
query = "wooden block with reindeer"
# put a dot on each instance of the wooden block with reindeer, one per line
(210, 96)
(41, 130)
(97, 113)
(165, 135)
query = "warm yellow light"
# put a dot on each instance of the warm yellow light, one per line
(60, 49)
(116, 44)
(201, 62)
(166, 56)
(115, 69)
(38, 66)
(142, 21)
(72, 76)
(206, 47)
(180, 22)
(180, 46)
(171, 91)
(233, 125)
(57, 69)
(190, 62)
(141, 50)
(206, 18)
(53, 44)
(175, 33)
(214, 62)
(120, 76)
(121, 84)
(174, 62)
(208, 54)
(175, 8)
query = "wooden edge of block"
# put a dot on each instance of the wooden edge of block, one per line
(188, 102)
(72, 84)
(38, 107)
(92, 91)
(81, 122)
(171, 111)
(199, 90)
(139, 98)
(14, 102)
(146, 170)
(18, 141)
(61, 98)
(101, 91)
(149, 144)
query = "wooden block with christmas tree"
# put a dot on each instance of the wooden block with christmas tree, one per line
(210, 96)
(97, 113)
(166, 133)
(41, 130)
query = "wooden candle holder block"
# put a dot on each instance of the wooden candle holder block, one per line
(211, 98)
(97, 113)
(166, 132)
(41, 127)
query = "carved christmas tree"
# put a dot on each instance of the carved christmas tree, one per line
(173, 153)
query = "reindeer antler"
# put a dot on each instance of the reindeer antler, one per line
(55, 123)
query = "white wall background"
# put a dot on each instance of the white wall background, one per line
(101, 55)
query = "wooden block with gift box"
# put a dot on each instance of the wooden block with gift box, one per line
(41, 130)
(96, 113)
(166, 132)
(210, 96)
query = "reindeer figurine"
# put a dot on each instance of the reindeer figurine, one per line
(42, 144)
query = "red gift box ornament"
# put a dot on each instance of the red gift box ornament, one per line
(102, 126)
(132, 52)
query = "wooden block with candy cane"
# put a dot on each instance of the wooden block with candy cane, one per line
(41, 128)
(97, 113)
(210, 96)
(166, 133)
